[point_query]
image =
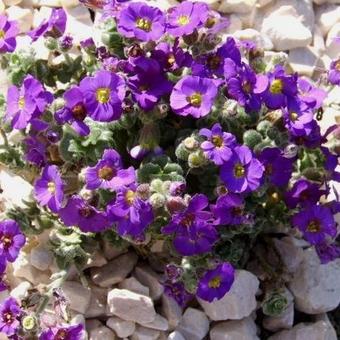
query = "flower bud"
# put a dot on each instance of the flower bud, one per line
(51, 43)
(275, 304)
(157, 200)
(182, 152)
(175, 204)
(191, 143)
(156, 185)
(196, 159)
(263, 127)
(252, 138)
(29, 323)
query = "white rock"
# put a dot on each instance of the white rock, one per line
(110, 251)
(231, 330)
(176, 336)
(114, 271)
(235, 24)
(142, 333)
(78, 296)
(159, 323)
(98, 303)
(326, 17)
(194, 324)
(96, 260)
(134, 285)
(320, 2)
(79, 24)
(69, 3)
(101, 333)
(318, 41)
(2, 7)
(24, 16)
(20, 291)
(131, 306)
(238, 303)
(303, 60)
(316, 286)
(121, 327)
(320, 330)
(333, 46)
(236, 6)
(262, 3)
(47, 3)
(41, 258)
(11, 2)
(172, 311)
(285, 29)
(149, 278)
(261, 40)
(78, 319)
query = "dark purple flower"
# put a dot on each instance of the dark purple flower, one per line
(108, 173)
(315, 222)
(75, 332)
(178, 292)
(193, 96)
(55, 26)
(281, 88)
(334, 72)
(218, 146)
(177, 188)
(10, 312)
(140, 21)
(49, 188)
(247, 87)
(185, 18)
(327, 252)
(312, 97)
(148, 84)
(229, 209)
(66, 42)
(8, 32)
(215, 23)
(139, 152)
(36, 150)
(278, 169)
(331, 164)
(11, 240)
(79, 212)
(132, 213)
(216, 283)
(303, 193)
(26, 104)
(173, 272)
(242, 172)
(74, 111)
(103, 96)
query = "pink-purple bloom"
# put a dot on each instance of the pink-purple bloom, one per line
(140, 21)
(193, 96)
(219, 144)
(75, 332)
(242, 172)
(108, 173)
(11, 240)
(316, 223)
(103, 96)
(49, 188)
(216, 283)
(334, 72)
(10, 313)
(8, 32)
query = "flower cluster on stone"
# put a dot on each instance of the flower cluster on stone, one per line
(169, 131)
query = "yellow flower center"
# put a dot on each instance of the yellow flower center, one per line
(246, 86)
(130, 197)
(51, 187)
(8, 317)
(6, 240)
(314, 226)
(144, 24)
(337, 65)
(171, 59)
(106, 173)
(103, 95)
(61, 335)
(183, 20)
(188, 220)
(21, 102)
(195, 99)
(2, 34)
(276, 86)
(217, 141)
(293, 116)
(215, 282)
(239, 170)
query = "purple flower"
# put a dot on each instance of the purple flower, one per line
(327, 252)
(315, 222)
(216, 283)
(303, 193)
(178, 292)
(218, 146)
(103, 96)
(11, 240)
(108, 173)
(334, 72)
(79, 212)
(49, 188)
(215, 23)
(229, 209)
(309, 95)
(75, 332)
(148, 85)
(193, 96)
(74, 111)
(26, 104)
(36, 150)
(141, 21)
(9, 316)
(247, 87)
(281, 88)
(8, 32)
(185, 18)
(242, 172)
(278, 169)
(132, 213)
(55, 26)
